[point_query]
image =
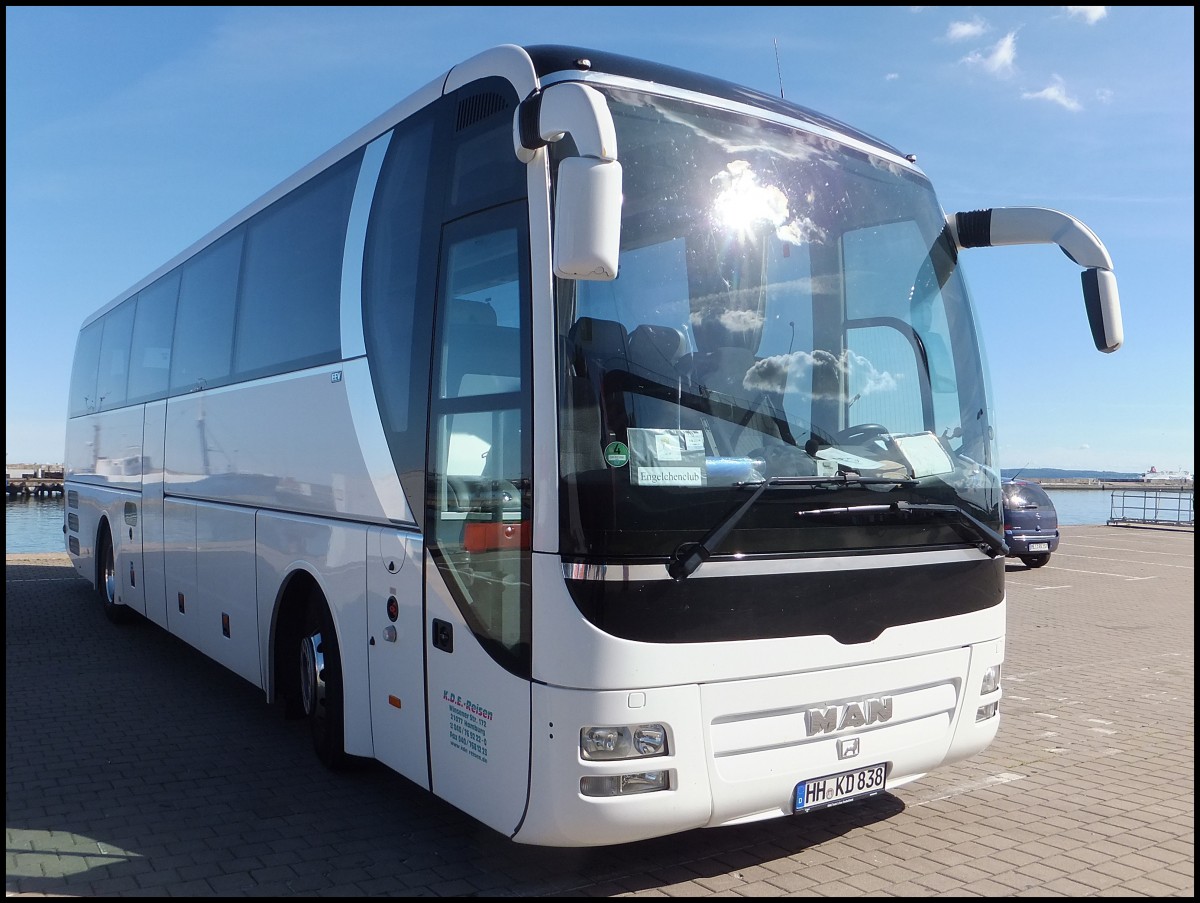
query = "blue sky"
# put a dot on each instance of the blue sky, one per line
(133, 131)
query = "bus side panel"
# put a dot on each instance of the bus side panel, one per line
(395, 649)
(334, 553)
(106, 449)
(151, 515)
(179, 563)
(81, 510)
(226, 588)
(103, 505)
(279, 443)
(104, 466)
(214, 586)
(478, 718)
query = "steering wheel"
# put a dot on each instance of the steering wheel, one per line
(860, 433)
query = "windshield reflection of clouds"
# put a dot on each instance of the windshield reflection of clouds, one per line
(787, 372)
(733, 320)
(745, 210)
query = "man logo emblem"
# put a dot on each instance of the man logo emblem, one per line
(851, 715)
(848, 748)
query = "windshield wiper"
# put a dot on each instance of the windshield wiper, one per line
(991, 542)
(848, 478)
(689, 556)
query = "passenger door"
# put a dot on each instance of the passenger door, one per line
(478, 510)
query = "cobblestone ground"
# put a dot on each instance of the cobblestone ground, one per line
(136, 766)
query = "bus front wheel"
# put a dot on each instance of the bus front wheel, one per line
(321, 683)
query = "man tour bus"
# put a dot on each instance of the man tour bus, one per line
(605, 448)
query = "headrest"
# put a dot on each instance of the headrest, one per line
(651, 344)
(462, 310)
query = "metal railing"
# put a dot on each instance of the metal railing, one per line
(1174, 507)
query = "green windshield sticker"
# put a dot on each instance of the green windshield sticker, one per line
(616, 454)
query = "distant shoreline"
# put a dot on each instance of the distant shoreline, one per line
(1087, 483)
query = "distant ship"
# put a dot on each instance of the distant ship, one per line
(1154, 475)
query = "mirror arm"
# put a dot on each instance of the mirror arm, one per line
(1029, 225)
(565, 108)
(1039, 225)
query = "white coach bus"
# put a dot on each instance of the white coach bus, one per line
(605, 448)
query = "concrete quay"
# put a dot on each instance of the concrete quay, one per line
(135, 766)
(1084, 483)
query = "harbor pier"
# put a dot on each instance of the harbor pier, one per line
(33, 479)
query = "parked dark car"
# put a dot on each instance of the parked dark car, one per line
(1030, 522)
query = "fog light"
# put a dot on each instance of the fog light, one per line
(625, 784)
(983, 713)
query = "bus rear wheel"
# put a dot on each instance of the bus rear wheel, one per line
(321, 684)
(106, 579)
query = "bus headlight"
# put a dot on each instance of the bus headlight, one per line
(628, 741)
(990, 684)
(991, 680)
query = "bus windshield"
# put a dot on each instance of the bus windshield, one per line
(788, 310)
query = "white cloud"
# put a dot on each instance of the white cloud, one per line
(1089, 14)
(1055, 92)
(891, 76)
(1000, 59)
(962, 31)
(1104, 95)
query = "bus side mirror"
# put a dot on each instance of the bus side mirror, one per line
(1103, 308)
(587, 218)
(587, 192)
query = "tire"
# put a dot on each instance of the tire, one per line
(106, 579)
(321, 684)
(1034, 561)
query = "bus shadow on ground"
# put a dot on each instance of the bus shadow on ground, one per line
(135, 763)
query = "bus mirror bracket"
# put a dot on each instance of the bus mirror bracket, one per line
(587, 196)
(1040, 225)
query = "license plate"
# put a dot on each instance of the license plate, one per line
(1039, 547)
(839, 788)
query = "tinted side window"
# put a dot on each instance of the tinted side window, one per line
(289, 309)
(113, 373)
(204, 325)
(82, 398)
(150, 352)
(480, 469)
(483, 168)
(397, 328)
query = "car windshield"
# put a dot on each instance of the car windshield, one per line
(788, 308)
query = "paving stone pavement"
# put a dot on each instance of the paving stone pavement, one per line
(135, 766)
